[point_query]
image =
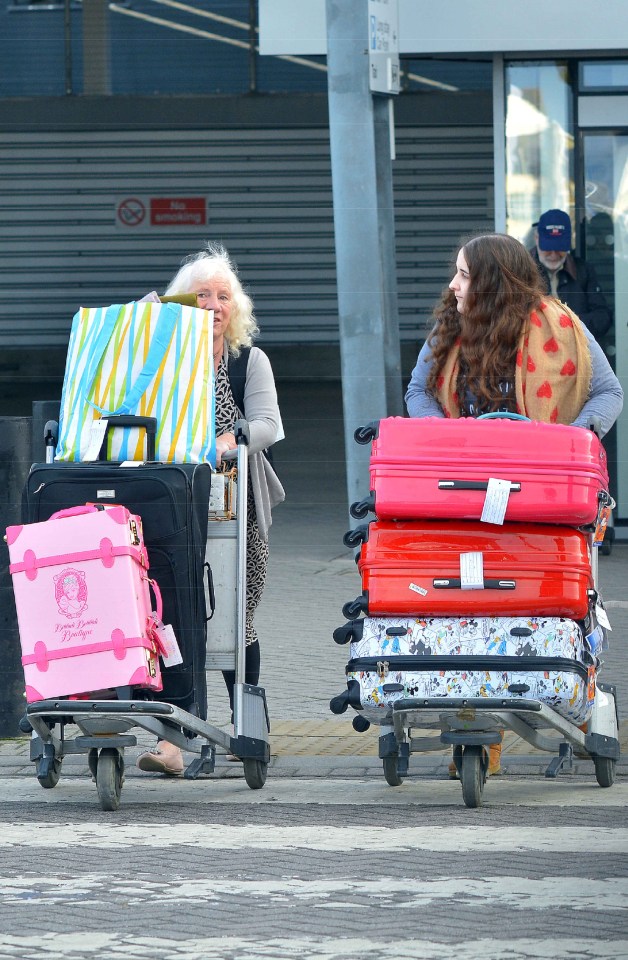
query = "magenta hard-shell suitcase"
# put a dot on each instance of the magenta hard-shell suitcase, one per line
(83, 603)
(438, 468)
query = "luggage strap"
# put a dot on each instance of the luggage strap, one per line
(118, 643)
(106, 553)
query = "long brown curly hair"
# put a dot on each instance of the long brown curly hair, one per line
(505, 287)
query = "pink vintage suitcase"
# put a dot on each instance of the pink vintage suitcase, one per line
(83, 603)
(416, 568)
(440, 468)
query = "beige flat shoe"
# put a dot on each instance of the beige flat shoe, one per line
(165, 759)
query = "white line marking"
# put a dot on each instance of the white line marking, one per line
(514, 893)
(79, 946)
(217, 836)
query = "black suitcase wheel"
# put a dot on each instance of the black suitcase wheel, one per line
(472, 775)
(361, 508)
(366, 433)
(255, 773)
(109, 777)
(353, 538)
(353, 608)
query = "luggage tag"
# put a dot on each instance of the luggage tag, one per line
(170, 653)
(96, 437)
(603, 516)
(495, 501)
(594, 633)
(601, 615)
(591, 684)
(472, 571)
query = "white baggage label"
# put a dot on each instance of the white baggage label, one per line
(496, 501)
(472, 571)
(96, 437)
(602, 616)
(418, 589)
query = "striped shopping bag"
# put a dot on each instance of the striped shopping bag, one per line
(147, 359)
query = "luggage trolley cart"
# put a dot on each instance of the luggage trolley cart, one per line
(105, 725)
(471, 724)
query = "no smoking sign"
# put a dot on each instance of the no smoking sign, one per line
(131, 212)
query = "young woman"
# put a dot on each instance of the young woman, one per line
(500, 344)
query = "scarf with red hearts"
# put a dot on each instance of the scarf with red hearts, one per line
(553, 371)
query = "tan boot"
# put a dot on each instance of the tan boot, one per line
(165, 758)
(494, 758)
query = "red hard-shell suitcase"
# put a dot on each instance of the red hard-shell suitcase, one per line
(414, 567)
(440, 468)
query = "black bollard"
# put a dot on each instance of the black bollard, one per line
(15, 462)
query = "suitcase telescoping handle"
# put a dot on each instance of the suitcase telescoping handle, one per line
(472, 485)
(130, 420)
(503, 415)
(453, 583)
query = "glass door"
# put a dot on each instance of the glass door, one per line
(605, 246)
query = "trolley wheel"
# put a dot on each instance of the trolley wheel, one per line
(606, 547)
(472, 775)
(109, 777)
(605, 770)
(50, 778)
(255, 773)
(391, 771)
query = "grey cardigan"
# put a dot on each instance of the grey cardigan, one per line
(262, 412)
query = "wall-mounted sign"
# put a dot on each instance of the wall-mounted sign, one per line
(384, 46)
(153, 212)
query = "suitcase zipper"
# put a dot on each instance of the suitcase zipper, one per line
(409, 664)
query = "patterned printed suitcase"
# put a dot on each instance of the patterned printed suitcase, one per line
(415, 567)
(544, 659)
(83, 603)
(437, 468)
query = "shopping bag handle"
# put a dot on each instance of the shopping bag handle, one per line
(160, 340)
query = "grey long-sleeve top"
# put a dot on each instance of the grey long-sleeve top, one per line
(605, 400)
(261, 410)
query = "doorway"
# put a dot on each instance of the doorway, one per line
(605, 244)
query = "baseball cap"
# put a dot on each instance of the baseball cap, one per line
(554, 227)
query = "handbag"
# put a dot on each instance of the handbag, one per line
(147, 359)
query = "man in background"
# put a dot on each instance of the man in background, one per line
(568, 277)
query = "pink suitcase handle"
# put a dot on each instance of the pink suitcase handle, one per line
(158, 601)
(75, 511)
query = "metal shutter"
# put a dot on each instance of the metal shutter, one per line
(269, 193)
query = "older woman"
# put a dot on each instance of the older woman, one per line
(499, 344)
(213, 277)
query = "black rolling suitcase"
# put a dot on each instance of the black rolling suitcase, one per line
(172, 500)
